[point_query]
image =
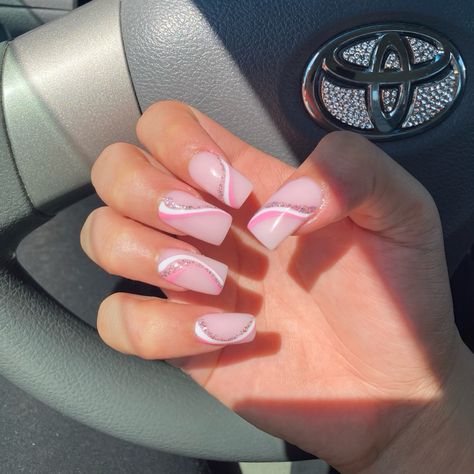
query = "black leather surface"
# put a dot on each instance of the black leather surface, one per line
(34, 439)
(57, 358)
(242, 63)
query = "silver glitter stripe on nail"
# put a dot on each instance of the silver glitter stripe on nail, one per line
(172, 204)
(184, 262)
(295, 207)
(220, 188)
(211, 335)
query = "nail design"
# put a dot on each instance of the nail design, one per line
(277, 208)
(195, 217)
(225, 328)
(191, 271)
(293, 204)
(220, 179)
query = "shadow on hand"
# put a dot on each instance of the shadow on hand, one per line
(233, 299)
(240, 257)
(329, 424)
(317, 252)
(264, 345)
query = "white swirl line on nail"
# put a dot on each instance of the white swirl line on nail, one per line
(276, 211)
(203, 332)
(226, 188)
(165, 271)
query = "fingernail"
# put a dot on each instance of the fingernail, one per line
(194, 217)
(192, 271)
(218, 178)
(292, 205)
(225, 328)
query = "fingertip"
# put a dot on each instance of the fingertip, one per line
(298, 200)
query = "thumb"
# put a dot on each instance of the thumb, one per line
(348, 176)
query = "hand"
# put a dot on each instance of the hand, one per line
(355, 341)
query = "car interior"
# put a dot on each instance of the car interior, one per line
(76, 75)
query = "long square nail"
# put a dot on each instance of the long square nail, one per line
(218, 178)
(192, 271)
(195, 217)
(292, 205)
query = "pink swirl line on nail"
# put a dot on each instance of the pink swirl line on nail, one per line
(272, 213)
(174, 274)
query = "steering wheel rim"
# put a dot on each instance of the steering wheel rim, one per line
(45, 349)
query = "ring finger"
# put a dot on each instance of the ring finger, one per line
(127, 248)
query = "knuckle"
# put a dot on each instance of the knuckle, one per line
(165, 106)
(84, 236)
(88, 235)
(342, 141)
(114, 149)
(115, 169)
(115, 240)
(126, 178)
(424, 206)
(108, 159)
(138, 324)
(143, 334)
(169, 134)
(162, 108)
(146, 351)
(346, 154)
(105, 239)
(107, 306)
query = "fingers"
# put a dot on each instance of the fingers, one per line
(346, 175)
(125, 180)
(158, 329)
(172, 132)
(124, 247)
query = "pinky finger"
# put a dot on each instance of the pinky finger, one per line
(154, 328)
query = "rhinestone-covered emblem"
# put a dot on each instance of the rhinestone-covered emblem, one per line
(383, 81)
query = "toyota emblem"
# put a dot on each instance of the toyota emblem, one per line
(383, 81)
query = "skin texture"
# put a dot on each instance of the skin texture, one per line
(356, 356)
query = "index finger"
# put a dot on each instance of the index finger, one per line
(173, 134)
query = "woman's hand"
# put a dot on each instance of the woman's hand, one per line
(355, 343)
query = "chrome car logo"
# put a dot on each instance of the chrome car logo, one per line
(383, 81)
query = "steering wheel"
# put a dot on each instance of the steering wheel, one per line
(78, 84)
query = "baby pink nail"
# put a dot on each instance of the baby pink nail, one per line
(192, 271)
(218, 178)
(293, 204)
(225, 328)
(195, 217)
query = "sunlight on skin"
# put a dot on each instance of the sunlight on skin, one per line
(375, 367)
(335, 345)
(355, 331)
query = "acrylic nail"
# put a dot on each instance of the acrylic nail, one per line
(194, 217)
(192, 271)
(218, 178)
(292, 205)
(225, 328)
